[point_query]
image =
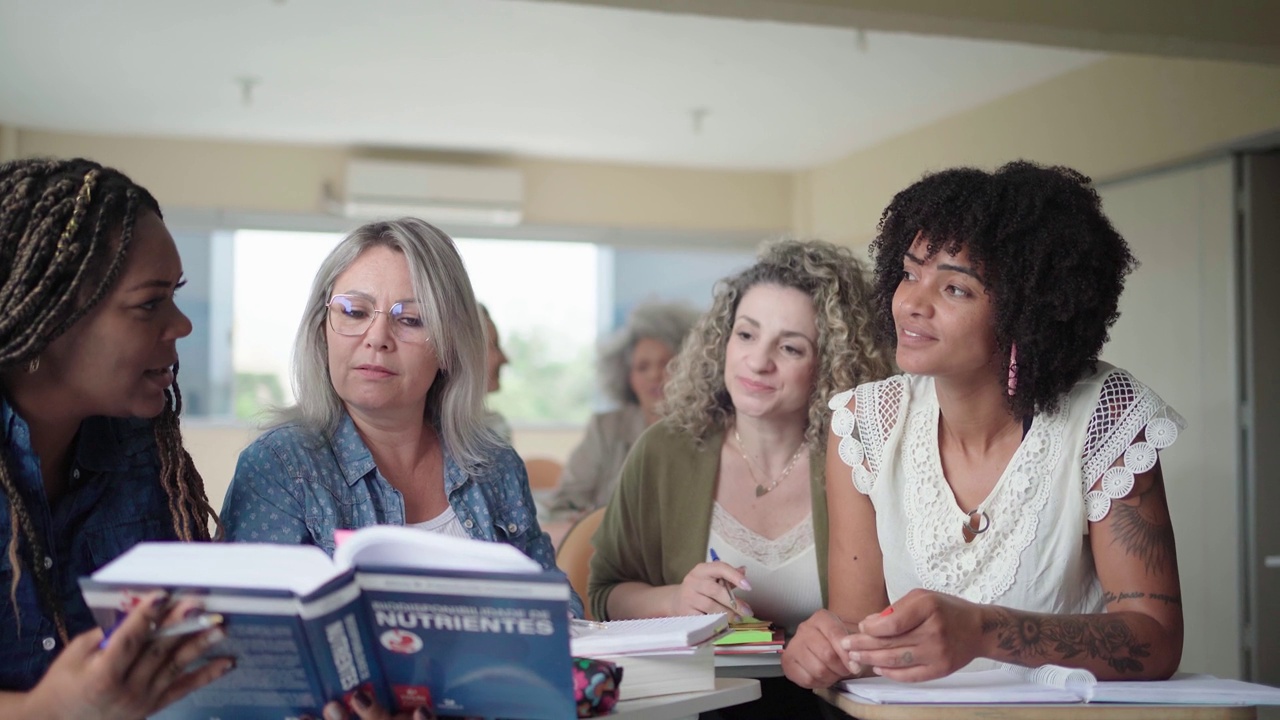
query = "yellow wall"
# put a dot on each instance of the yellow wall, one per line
(1108, 119)
(279, 178)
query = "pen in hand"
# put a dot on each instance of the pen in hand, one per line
(199, 623)
(733, 599)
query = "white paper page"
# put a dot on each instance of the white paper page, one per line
(407, 547)
(296, 568)
(981, 687)
(628, 636)
(1185, 689)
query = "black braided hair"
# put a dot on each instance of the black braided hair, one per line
(66, 227)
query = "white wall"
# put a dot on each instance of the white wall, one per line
(1177, 333)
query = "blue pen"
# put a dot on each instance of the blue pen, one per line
(733, 599)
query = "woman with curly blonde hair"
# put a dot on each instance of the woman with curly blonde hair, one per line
(721, 471)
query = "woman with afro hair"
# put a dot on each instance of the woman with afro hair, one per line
(1001, 501)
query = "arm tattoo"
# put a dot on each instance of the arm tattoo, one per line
(1110, 597)
(1146, 538)
(1050, 637)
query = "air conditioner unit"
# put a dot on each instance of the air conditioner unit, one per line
(439, 194)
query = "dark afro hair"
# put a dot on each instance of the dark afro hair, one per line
(1053, 265)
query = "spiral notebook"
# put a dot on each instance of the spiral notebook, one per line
(664, 633)
(1058, 685)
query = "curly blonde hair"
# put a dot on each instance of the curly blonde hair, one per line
(849, 352)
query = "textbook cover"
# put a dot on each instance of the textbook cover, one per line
(408, 616)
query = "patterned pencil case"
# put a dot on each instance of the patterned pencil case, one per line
(595, 686)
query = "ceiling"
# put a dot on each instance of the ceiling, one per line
(500, 77)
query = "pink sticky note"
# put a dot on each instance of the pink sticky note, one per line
(340, 536)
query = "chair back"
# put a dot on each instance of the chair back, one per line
(574, 555)
(544, 473)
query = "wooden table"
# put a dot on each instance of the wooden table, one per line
(729, 691)
(1010, 711)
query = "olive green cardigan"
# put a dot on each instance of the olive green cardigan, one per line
(657, 524)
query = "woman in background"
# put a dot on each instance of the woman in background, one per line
(494, 359)
(633, 369)
(736, 464)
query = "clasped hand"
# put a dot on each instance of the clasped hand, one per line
(925, 635)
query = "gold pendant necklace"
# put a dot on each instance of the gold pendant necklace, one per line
(751, 466)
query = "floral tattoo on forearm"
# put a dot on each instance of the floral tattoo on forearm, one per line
(1046, 637)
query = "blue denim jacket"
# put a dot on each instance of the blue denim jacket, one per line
(114, 501)
(292, 486)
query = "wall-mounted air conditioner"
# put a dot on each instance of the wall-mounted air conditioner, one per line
(439, 194)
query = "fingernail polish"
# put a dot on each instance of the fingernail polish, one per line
(855, 656)
(214, 636)
(744, 584)
(886, 611)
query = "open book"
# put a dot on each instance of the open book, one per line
(1058, 685)
(411, 617)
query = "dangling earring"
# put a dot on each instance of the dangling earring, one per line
(1013, 369)
(34, 365)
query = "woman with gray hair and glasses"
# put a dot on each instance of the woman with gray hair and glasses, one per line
(389, 372)
(633, 372)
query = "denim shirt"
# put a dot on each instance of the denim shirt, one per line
(293, 486)
(113, 501)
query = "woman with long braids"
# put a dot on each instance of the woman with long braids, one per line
(91, 460)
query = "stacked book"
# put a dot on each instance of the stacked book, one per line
(658, 656)
(750, 636)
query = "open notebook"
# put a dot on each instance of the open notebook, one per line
(1058, 685)
(631, 636)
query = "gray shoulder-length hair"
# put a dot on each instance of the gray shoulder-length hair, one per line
(665, 322)
(455, 403)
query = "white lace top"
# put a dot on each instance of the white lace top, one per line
(1035, 555)
(783, 571)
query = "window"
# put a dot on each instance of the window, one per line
(549, 300)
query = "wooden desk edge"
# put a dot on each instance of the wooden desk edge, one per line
(1074, 711)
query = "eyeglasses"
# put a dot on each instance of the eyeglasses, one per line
(353, 316)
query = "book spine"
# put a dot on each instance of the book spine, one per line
(341, 643)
